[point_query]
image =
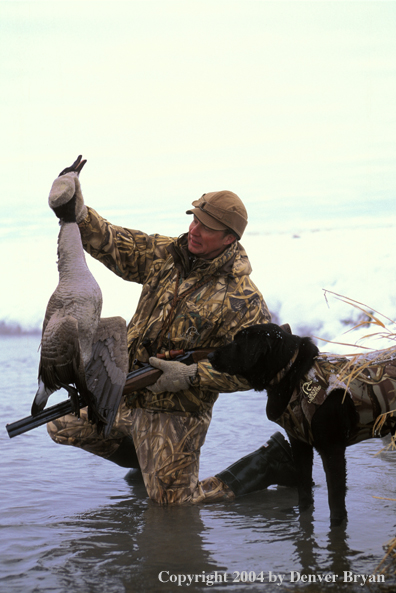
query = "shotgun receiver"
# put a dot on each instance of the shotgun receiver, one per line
(135, 381)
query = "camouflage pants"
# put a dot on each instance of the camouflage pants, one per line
(167, 446)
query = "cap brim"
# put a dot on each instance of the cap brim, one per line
(207, 220)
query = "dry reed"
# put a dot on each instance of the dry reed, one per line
(353, 368)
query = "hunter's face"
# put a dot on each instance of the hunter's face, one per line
(205, 242)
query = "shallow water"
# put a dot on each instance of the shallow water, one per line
(73, 522)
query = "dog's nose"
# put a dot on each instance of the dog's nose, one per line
(211, 356)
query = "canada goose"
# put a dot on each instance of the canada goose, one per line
(80, 352)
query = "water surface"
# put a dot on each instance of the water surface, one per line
(73, 522)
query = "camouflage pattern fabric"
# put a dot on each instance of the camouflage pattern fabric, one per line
(201, 304)
(167, 446)
(208, 317)
(80, 432)
(372, 389)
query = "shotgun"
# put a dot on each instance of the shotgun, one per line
(135, 381)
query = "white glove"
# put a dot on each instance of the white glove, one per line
(63, 189)
(175, 376)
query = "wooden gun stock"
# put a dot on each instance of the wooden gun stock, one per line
(147, 375)
(135, 381)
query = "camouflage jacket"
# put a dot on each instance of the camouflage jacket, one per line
(214, 300)
(372, 388)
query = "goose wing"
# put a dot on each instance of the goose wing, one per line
(60, 360)
(107, 369)
(61, 363)
(54, 306)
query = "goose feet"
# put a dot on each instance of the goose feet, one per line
(75, 167)
(74, 397)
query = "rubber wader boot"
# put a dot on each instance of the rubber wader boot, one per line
(271, 464)
(125, 456)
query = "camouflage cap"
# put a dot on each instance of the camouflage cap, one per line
(220, 210)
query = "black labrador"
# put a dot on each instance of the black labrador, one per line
(274, 360)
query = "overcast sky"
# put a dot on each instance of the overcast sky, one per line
(276, 101)
(289, 104)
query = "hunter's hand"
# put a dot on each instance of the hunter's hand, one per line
(66, 186)
(176, 376)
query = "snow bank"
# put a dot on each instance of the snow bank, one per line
(291, 270)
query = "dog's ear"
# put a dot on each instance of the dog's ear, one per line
(309, 349)
(269, 349)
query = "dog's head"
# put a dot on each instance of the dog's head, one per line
(257, 353)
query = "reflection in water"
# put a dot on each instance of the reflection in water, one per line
(71, 522)
(309, 552)
(135, 545)
(125, 547)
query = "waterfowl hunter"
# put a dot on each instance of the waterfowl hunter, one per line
(80, 352)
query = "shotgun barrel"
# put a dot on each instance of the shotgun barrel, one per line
(135, 381)
(31, 422)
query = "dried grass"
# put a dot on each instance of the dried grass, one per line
(386, 332)
(354, 368)
(357, 363)
(387, 566)
(392, 445)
